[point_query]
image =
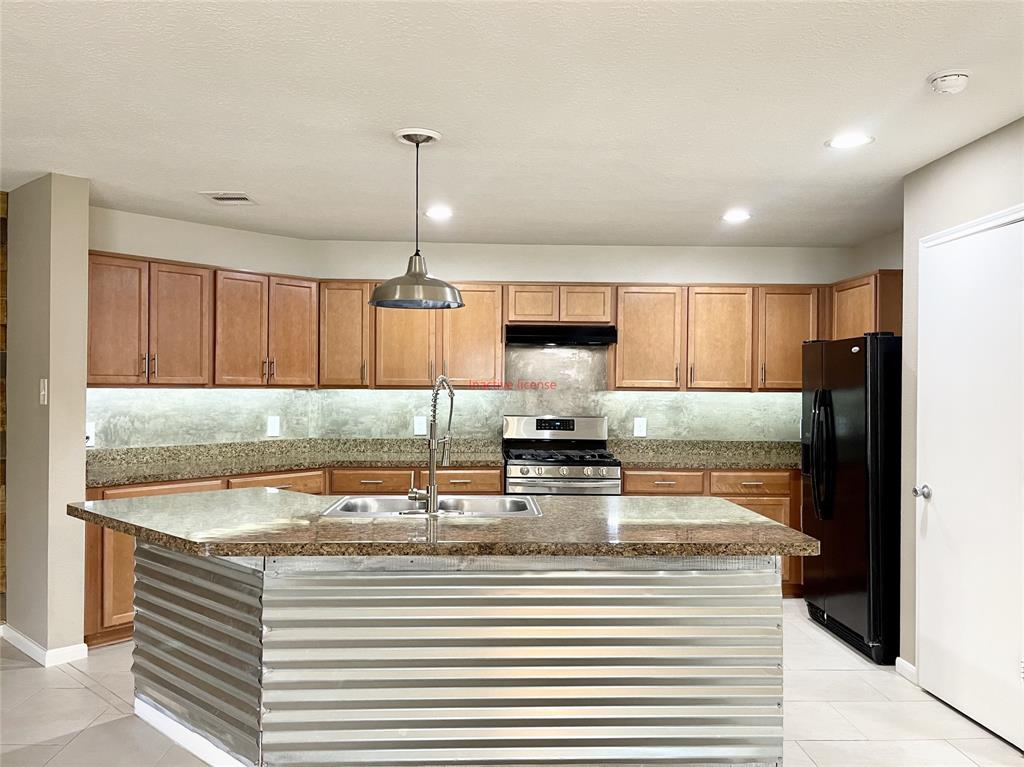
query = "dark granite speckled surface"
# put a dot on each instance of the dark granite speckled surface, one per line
(265, 522)
(127, 466)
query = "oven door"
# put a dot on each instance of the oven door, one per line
(539, 486)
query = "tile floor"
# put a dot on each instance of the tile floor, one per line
(840, 711)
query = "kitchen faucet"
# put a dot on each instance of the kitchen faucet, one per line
(430, 493)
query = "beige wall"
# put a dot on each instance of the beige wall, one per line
(138, 234)
(883, 252)
(48, 273)
(980, 178)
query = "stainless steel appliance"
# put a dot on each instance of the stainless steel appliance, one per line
(851, 489)
(559, 455)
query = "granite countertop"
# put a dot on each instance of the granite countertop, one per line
(267, 522)
(107, 467)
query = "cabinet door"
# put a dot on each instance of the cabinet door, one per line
(292, 344)
(853, 307)
(345, 328)
(311, 482)
(180, 324)
(372, 481)
(787, 316)
(720, 341)
(118, 320)
(750, 483)
(240, 341)
(585, 303)
(471, 337)
(776, 509)
(112, 607)
(662, 482)
(405, 347)
(650, 346)
(532, 303)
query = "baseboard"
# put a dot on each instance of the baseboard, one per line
(906, 670)
(40, 654)
(191, 741)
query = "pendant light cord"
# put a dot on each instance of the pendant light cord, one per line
(417, 211)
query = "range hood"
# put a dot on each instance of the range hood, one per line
(560, 335)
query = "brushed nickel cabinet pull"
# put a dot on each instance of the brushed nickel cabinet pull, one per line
(677, 374)
(664, 481)
(691, 374)
(371, 482)
(460, 481)
(145, 366)
(752, 484)
(154, 365)
(280, 487)
(762, 374)
(273, 367)
(263, 368)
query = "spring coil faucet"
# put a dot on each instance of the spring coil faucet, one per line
(429, 494)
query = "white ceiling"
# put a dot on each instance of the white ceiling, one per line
(564, 122)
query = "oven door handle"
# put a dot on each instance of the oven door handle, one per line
(563, 482)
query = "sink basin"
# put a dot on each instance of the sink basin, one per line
(448, 506)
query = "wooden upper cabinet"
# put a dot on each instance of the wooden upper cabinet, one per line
(585, 303)
(720, 338)
(240, 339)
(786, 317)
(471, 337)
(345, 334)
(118, 325)
(292, 344)
(180, 324)
(405, 347)
(648, 354)
(868, 304)
(532, 303)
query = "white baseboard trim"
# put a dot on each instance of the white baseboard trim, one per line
(906, 670)
(40, 654)
(191, 741)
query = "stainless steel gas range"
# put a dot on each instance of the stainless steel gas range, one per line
(559, 455)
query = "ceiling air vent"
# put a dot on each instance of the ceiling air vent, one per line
(229, 198)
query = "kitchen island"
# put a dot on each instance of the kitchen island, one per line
(605, 630)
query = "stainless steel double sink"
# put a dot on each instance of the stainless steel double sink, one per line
(448, 506)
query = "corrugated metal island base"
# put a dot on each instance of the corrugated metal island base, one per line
(476, 660)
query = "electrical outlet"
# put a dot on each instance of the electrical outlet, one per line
(419, 425)
(273, 426)
(90, 434)
(640, 427)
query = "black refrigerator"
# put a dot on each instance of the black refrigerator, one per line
(850, 461)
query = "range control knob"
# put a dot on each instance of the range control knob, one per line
(588, 471)
(524, 470)
(603, 471)
(563, 471)
(538, 470)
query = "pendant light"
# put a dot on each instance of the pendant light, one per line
(416, 289)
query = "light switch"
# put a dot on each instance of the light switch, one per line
(90, 434)
(273, 426)
(639, 427)
(419, 425)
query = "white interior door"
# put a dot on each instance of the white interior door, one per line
(970, 452)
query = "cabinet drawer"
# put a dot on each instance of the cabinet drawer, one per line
(750, 483)
(171, 488)
(776, 509)
(637, 481)
(299, 481)
(371, 481)
(462, 481)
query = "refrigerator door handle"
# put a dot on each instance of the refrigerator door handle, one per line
(815, 455)
(828, 450)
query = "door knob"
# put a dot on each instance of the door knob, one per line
(922, 491)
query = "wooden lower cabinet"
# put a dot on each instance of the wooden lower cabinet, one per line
(371, 481)
(311, 482)
(465, 481)
(774, 494)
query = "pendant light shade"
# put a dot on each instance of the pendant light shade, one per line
(416, 289)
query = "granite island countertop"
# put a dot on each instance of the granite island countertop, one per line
(108, 467)
(268, 522)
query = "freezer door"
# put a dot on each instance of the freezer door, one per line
(815, 577)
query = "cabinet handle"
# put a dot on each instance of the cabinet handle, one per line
(460, 481)
(145, 366)
(273, 367)
(752, 484)
(677, 374)
(263, 368)
(664, 481)
(691, 374)
(280, 487)
(154, 365)
(362, 372)
(371, 482)
(762, 374)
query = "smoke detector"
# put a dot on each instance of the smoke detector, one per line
(949, 81)
(229, 198)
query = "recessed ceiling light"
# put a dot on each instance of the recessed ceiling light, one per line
(849, 140)
(736, 215)
(439, 212)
